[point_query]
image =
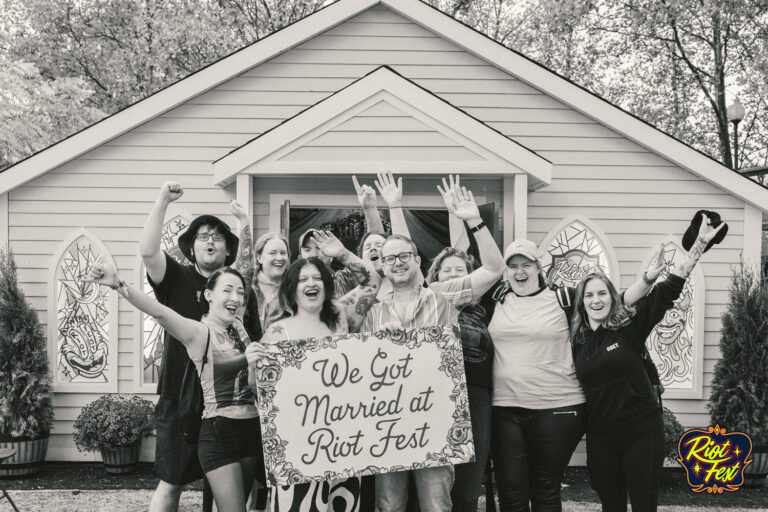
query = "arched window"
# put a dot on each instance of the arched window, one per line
(84, 333)
(149, 332)
(574, 248)
(676, 344)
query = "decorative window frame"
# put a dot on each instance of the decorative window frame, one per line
(139, 386)
(112, 373)
(696, 391)
(613, 263)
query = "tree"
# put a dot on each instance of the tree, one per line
(670, 62)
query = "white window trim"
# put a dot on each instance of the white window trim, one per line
(696, 392)
(138, 328)
(112, 372)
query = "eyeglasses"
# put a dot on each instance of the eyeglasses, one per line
(203, 237)
(404, 257)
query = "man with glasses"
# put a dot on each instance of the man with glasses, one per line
(409, 305)
(208, 244)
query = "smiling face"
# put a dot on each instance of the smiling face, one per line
(402, 274)
(523, 274)
(273, 258)
(310, 291)
(372, 251)
(451, 268)
(597, 302)
(209, 254)
(226, 298)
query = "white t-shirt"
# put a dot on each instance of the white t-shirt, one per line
(533, 363)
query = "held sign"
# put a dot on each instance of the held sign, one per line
(359, 404)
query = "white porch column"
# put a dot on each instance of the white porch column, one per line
(753, 230)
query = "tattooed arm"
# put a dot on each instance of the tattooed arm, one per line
(706, 233)
(244, 261)
(357, 302)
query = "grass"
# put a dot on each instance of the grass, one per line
(86, 487)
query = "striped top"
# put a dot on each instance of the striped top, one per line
(436, 305)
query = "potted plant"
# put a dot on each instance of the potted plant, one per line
(115, 426)
(739, 399)
(26, 413)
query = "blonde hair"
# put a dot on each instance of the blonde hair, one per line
(258, 248)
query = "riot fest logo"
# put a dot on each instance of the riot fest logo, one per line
(714, 459)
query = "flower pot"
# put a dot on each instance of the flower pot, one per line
(755, 474)
(122, 460)
(29, 456)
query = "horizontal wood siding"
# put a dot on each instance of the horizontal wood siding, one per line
(634, 196)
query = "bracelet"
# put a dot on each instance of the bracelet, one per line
(646, 280)
(478, 227)
(120, 284)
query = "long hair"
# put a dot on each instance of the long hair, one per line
(437, 262)
(328, 314)
(618, 316)
(258, 248)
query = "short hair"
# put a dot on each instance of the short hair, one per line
(210, 284)
(258, 247)
(404, 239)
(328, 314)
(366, 236)
(437, 262)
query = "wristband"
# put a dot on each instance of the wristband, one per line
(646, 280)
(120, 284)
(478, 227)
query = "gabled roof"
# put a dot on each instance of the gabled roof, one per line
(462, 141)
(430, 18)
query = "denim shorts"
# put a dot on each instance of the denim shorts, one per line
(225, 441)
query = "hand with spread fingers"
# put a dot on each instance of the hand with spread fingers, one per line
(328, 244)
(653, 273)
(365, 194)
(391, 191)
(458, 200)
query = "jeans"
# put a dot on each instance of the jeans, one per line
(469, 476)
(433, 487)
(531, 450)
(629, 459)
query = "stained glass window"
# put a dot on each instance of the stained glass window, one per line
(152, 346)
(574, 252)
(671, 343)
(82, 314)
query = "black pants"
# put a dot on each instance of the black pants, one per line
(627, 460)
(531, 448)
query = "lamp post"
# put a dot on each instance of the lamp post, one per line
(736, 114)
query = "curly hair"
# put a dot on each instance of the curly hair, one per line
(618, 316)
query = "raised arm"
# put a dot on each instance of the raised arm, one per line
(183, 329)
(244, 261)
(358, 301)
(706, 233)
(392, 194)
(151, 252)
(460, 202)
(642, 286)
(367, 197)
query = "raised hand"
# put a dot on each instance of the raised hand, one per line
(171, 191)
(238, 211)
(328, 244)
(658, 267)
(365, 194)
(461, 202)
(706, 231)
(103, 273)
(391, 191)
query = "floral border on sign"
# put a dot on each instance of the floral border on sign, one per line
(458, 447)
